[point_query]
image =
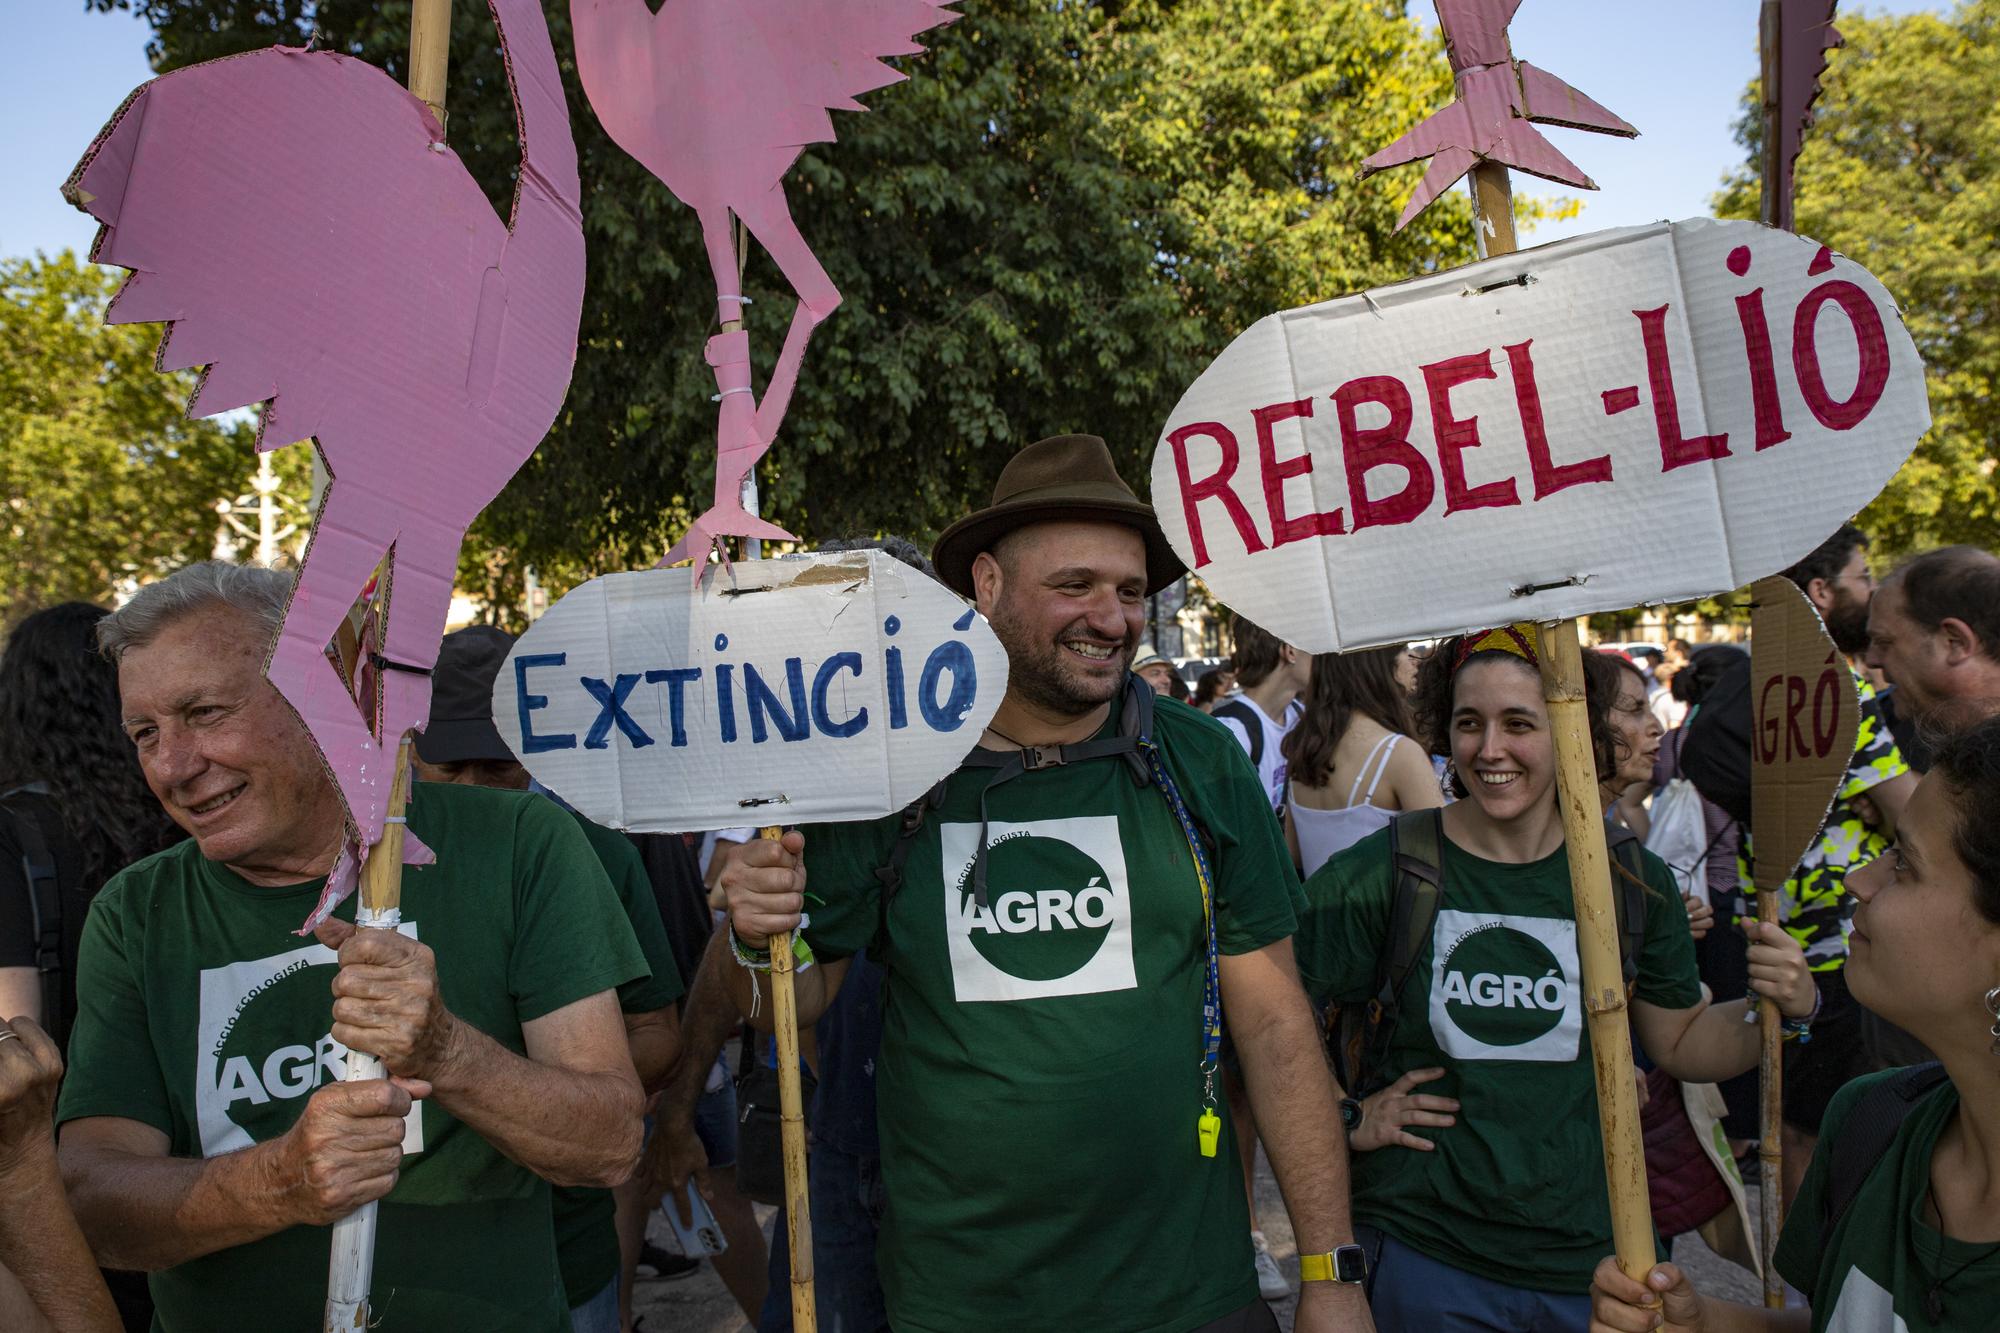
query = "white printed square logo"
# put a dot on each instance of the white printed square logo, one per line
(238, 1062)
(1060, 920)
(1505, 987)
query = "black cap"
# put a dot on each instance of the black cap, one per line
(461, 725)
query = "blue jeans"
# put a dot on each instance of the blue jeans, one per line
(846, 1211)
(599, 1314)
(1410, 1292)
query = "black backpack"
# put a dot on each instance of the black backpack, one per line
(1865, 1137)
(1715, 757)
(1246, 716)
(1357, 1035)
(38, 867)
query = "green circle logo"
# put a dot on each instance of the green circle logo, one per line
(1503, 987)
(262, 1078)
(1050, 908)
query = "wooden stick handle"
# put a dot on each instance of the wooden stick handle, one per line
(382, 875)
(792, 1125)
(1604, 1006)
(1589, 866)
(1771, 1129)
(351, 1262)
(430, 52)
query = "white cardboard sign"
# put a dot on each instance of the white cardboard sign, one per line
(1649, 414)
(817, 688)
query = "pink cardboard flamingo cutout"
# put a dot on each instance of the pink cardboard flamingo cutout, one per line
(1489, 121)
(718, 98)
(297, 219)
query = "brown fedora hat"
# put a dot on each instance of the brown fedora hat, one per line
(1063, 478)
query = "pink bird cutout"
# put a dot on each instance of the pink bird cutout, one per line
(1805, 34)
(718, 98)
(298, 221)
(1489, 120)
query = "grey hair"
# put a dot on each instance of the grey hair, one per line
(255, 591)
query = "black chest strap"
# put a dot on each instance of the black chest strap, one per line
(1135, 722)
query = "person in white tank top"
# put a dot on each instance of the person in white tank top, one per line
(1352, 765)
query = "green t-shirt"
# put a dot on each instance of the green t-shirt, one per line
(586, 1219)
(1515, 1189)
(1039, 1079)
(202, 1015)
(1878, 1265)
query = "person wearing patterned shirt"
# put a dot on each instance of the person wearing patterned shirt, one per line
(1815, 906)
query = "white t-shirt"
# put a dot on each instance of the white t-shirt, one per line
(1271, 765)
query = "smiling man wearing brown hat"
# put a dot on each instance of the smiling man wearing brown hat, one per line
(1064, 920)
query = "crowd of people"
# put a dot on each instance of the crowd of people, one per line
(1319, 904)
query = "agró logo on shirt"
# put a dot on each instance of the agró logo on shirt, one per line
(1864, 1306)
(1505, 987)
(242, 1065)
(1059, 919)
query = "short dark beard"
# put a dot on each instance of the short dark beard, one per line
(1847, 623)
(1036, 671)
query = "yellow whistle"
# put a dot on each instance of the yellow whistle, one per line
(1209, 1130)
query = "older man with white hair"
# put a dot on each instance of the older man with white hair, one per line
(205, 1137)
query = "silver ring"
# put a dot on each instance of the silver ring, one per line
(5, 1033)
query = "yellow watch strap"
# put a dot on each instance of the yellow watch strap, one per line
(1316, 1268)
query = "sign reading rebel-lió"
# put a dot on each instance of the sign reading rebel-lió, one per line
(1641, 415)
(817, 688)
(1804, 715)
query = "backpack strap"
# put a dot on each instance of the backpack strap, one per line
(890, 876)
(1416, 848)
(38, 867)
(1416, 840)
(1865, 1136)
(1246, 716)
(1628, 883)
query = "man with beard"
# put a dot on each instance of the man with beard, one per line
(1934, 631)
(1057, 922)
(1816, 907)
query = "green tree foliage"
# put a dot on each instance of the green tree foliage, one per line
(105, 479)
(1901, 171)
(1053, 225)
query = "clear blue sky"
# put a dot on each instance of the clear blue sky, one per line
(1674, 70)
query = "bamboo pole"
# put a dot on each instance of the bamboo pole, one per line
(792, 1125)
(1776, 212)
(351, 1260)
(1589, 864)
(785, 1010)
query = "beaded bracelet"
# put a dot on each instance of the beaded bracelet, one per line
(1789, 1029)
(757, 960)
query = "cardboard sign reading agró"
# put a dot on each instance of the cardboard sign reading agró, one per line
(1804, 713)
(821, 688)
(1648, 414)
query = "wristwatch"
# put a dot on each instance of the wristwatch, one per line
(1350, 1115)
(1347, 1265)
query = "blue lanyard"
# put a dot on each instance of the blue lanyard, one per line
(1208, 1126)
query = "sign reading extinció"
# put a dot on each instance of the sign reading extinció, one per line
(817, 688)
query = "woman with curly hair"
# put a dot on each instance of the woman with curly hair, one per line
(1481, 1201)
(70, 786)
(1352, 762)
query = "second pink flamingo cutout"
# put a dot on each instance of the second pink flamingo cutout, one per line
(718, 98)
